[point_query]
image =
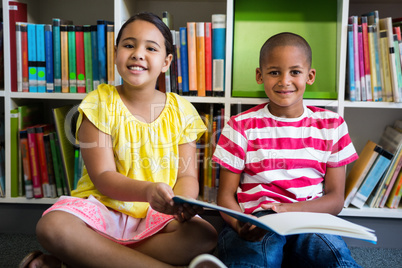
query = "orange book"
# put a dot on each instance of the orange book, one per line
(110, 53)
(42, 161)
(208, 58)
(64, 59)
(200, 52)
(192, 58)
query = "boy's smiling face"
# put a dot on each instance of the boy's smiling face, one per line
(285, 72)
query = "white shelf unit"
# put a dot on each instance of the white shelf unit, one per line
(88, 11)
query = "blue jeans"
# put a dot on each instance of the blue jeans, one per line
(303, 250)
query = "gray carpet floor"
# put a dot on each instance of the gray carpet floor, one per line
(13, 247)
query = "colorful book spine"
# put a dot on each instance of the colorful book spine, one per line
(50, 167)
(398, 98)
(200, 52)
(17, 13)
(192, 58)
(34, 160)
(396, 193)
(95, 60)
(24, 148)
(361, 64)
(351, 65)
(387, 85)
(32, 58)
(110, 53)
(14, 180)
(218, 53)
(101, 32)
(353, 21)
(372, 52)
(40, 57)
(208, 58)
(57, 55)
(88, 58)
(378, 85)
(59, 175)
(184, 60)
(366, 56)
(72, 59)
(64, 59)
(179, 68)
(80, 59)
(376, 172)
(49, 58)
(18, 36)
(42, 161)
(24, 48)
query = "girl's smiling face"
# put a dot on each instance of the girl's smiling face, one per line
(141, 54)
(285, 73)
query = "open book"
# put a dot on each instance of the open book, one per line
(288, 223)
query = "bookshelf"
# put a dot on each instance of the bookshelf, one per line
(42, 11)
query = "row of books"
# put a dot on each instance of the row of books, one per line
(63, 57)
(375, 180)
(374, 71)
(198, 66)
(43, 154)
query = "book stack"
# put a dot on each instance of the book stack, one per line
(374, 71)
(209, 170)
(375, 180)
(62, 57)
(198, 65)
(46, 163)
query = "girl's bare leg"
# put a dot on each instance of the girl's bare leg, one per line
(72, 241)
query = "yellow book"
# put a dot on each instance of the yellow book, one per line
(110, 54)
(200, 52)
(192, 58)
(387, 85)
(64, 59)
(373, 72)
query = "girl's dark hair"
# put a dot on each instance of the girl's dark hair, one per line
(155, 20)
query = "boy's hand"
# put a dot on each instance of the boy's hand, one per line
(250, 232)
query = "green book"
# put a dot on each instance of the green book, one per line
(255, 21)
(72, 65)
(88, 57)
(14, 148)
(58, 172)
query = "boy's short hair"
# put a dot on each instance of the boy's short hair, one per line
(286, 39)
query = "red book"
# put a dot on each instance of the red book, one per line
(24, 48)
(34, 160)
(39, 131)
(208, 58)
(80, 55)
(26, 164)
(17, 13)
(366, 55)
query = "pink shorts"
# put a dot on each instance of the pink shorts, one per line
(112, 224)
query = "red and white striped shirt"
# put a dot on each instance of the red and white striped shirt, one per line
(282, 160)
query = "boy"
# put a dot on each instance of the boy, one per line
(276, 157)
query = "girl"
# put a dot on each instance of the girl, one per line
(138, 145)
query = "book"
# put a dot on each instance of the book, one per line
(396, 193)
(200, 57)
(360, 169)
(192, 58)
(366, 56)
(174, 87)
(64, 133)
(288, 223)
(17, 12)
(208, 58)
(166, 77)
(95, 61)
(43, 170)
(371, 34)
(32, 58)
(101, 35)
(18, 36)
(351, 66)
(24, 148)
(110, 53)
(398, 69)
(387, 85)
(49, 58)
(353, 20)
(363, 91)
(14, 149)
(40, 57)
(184, 60)
(57, 164)
(218, 53)
(72, 59)
(64, 59)
(50, 166)
(178, 63)
(34, 161)
(373, 177)
(390, 139)
(80, 59)
(88, 57)
(24, 48)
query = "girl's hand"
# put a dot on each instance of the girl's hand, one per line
(277, 207)
(185, 212)
(250, 232)
(159, 196)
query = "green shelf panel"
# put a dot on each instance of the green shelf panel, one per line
(256, 20)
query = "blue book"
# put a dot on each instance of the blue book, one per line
(351, 65)
(218, 53)
(374, 175)
(95, 60)
(32, 58)
(49, 58)
(378, 88)
(184, 60)
(101, 31)
(56, 55)
(40, 57)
